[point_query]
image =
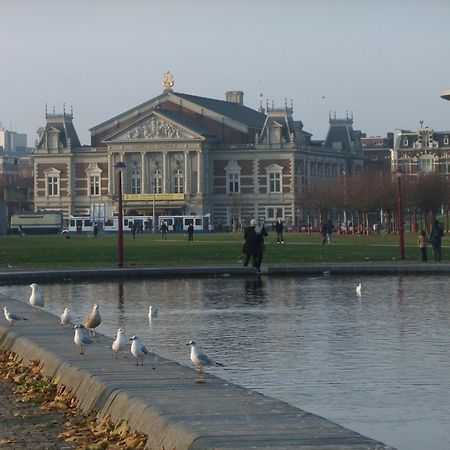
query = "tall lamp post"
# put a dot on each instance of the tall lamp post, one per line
(401, 231)
(120, 166)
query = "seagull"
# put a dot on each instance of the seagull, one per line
(36, 298)
(200, 359)
(11, 317)
(92, 320)
(120, 343)
(81, 337)
(65, 317)
(359, 290)
(152, 312)
(138, 350)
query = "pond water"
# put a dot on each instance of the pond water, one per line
(378, 364)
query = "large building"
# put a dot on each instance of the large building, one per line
(191, 155)
(422, 151)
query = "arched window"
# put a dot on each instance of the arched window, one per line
(178, 182)
(135, 182)
(157, 179)
(233, 173)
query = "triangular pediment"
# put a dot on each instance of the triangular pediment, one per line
(154, 127)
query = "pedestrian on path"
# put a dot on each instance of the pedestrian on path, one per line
(190, 231)
(164, 231)
(279, 230)
(422, 241)
(436, 240)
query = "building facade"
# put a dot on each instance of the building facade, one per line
(191, 155)
(422, 151)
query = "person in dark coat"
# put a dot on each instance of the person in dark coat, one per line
(254, 244)
(279, 229)
(164, 230)
(436, 239)
(190, 230)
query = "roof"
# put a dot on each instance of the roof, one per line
(235, 111)
(63, 123)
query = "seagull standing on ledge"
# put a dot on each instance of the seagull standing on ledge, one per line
(65, 317)
(36, 298)
(200, 359)
(120, 343)
(359, 290)
(81, 338)
(92, 320)
(138, 350)
(11, 317)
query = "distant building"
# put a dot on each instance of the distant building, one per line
(377, 152)
(421, 151)
(193, 155)
(12, 142)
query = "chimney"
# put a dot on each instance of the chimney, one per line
(235, 97)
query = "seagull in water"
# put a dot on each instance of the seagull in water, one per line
(120, 343)
(36, 298)
(359, 290)
(81, 338)
(201, 359)
(65, 317)
(152, 312)
(92, 320)
(11, 317)
(138, 350)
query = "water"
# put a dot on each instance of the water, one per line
(378, 364)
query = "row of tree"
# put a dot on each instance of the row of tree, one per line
(369, 199)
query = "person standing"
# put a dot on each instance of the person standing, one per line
(190, 231)
(164, 231)
(261, 233)
(436, 240)
(422, 242)
(279, 230)
(251, 242)
(134, 229)
(323, 232)
(95, 231)
(329, 227)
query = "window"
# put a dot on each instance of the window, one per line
(274, 182)
(135, 182)
(274, 213)
(446, 140)
(233, 182)
(158, 181)
(405, 142)
(94, 185)
(53, 186)
(425, 164)
(178, 182)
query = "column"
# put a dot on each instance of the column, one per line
(187, 175)
(199, 172)
(144, 160)
(110, 174)
(164, 155)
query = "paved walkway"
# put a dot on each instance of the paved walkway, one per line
(24, 426)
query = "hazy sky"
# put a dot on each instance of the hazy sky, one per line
(385, 60)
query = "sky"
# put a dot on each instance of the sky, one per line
(386, 60)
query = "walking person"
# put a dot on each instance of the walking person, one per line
(422, 242)
(164, 230)
(323, 232)
(329, 227)
(134, 229)
(279, 230)
(190, 231)
(436, 240)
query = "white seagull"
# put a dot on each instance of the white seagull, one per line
(81, 337)
(201, 359)
(152, 312)
(359, 290)
(11, 317)
(120, 343)
(138, 350)
(65, 317)
(36, 298)
(92, 320)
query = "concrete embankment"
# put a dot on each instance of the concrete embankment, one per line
(162, 399)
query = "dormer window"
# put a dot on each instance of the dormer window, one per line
(405, 142)
(446, 140)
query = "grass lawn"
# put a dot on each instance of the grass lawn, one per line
(55, 251)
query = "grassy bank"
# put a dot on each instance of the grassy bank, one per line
(55, 251)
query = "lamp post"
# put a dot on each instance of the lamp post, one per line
(401, 237)
(120, 166)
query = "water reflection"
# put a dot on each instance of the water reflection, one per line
(377, 364)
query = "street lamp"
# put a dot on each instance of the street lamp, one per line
(120, 167)
(401, 237)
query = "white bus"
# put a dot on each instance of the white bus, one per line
(179, 224)
(85, 224)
